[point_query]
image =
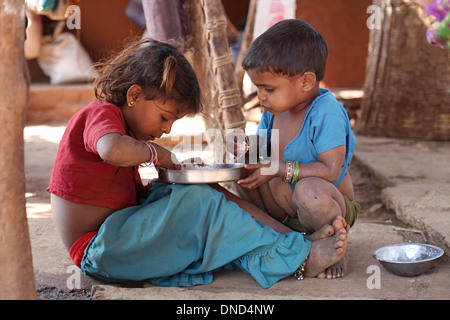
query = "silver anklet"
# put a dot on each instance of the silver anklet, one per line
(299, 272)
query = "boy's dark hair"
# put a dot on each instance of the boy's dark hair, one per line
(159, 68)
(290, 47)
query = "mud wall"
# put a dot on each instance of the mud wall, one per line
(105, 29)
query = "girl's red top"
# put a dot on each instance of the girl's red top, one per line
(80, 175)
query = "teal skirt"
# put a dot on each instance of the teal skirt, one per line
(181, 234)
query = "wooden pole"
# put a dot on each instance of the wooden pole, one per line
(201, 62)
(162, 19)
(16, 276)
(229, 98)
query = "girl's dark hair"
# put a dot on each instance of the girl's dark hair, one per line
(290, 47)
(159, 68)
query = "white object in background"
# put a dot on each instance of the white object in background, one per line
(64, 60)
(269, 12)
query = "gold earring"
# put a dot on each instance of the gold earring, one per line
(130, 104)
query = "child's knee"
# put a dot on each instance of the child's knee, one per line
(312, 195)
(308, 191)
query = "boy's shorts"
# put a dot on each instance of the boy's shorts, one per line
(351, 206)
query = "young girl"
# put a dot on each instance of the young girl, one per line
(173, 235)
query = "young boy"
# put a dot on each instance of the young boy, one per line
(315, 145)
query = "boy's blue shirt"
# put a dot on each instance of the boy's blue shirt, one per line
(326, 126)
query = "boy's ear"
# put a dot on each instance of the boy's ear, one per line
(309, 80)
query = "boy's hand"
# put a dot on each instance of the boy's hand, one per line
(237, 144)
(255, 178)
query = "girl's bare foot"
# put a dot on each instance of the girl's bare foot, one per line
(326, 252)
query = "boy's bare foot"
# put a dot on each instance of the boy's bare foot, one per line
(326, 252)
(324, 232)
(340, 223)
(339, 269)
(328, 230)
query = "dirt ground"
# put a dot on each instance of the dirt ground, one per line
(372, 210)
(39, 159)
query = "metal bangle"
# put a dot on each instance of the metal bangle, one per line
(296, 172)
(153, 155)
(299, 272)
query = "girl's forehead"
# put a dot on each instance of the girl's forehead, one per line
(169, 107)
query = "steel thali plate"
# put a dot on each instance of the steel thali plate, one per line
(207, 173)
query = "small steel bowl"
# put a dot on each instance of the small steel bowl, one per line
(408, 259)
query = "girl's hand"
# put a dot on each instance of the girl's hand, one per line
(148, 188)
(196, 160)
(255, 178)
(166, 159)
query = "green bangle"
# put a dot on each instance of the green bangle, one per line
(295, 176)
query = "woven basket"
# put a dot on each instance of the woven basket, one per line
(407, 89)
